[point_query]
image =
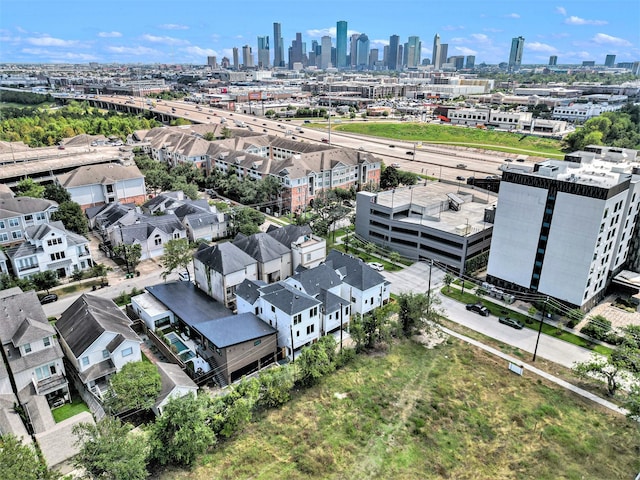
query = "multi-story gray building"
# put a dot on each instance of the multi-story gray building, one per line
(515, 56)
(278, 46)
(263, 52)
(392, 62)
(341, 44)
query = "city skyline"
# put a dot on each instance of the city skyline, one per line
(131, 32)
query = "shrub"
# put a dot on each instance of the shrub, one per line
(597, 327)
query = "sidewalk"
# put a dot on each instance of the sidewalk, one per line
(588, 395)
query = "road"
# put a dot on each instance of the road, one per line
(415, 279)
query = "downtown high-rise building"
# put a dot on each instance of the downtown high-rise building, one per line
(435, 55)
(373, 57)
(278, 46)
(263, 52)
(341, 44)
(392, 58)
(553, 60)
(212, 62)
(471, 62)
(353, 49)
(296, 51)
(515, 56)
(413, 49)
(325, 52)
(236, 59)
(247, 56)
(362, 51)
(610, 61)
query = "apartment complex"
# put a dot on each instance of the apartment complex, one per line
(566, 228)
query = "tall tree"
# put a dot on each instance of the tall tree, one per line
(45, 280)
(177, 254)
(245, 220)
(20, 461)
(108, 450)
(316, 361)
(56, 193)
(135, 386)
(413, 312)
(72, 217)
(29, 188)
(130, 254)
(182, 432)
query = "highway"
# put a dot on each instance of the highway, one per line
(435, 161)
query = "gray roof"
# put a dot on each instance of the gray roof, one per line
(314, 280)
(18, 206)
(168, 223)
(249, 290)
(89, 317)
(189, 303)
(224, 258)
(102, 173)
(288, 299)
(262, 247)
(331, 301)
(288, 234)
(235, 329)
(357, 273)
(171, 376)
(23, 318)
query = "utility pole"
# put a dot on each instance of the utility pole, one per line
(293, 352)
(429, 290)
(544, 309)
(341, 327)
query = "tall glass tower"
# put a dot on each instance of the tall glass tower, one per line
(394, 42)
(515, 57)
(341, 44)
(278, 49)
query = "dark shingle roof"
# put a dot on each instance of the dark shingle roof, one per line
(288, 234)
(235, 329)
(224, 258)
(249, 290)
(313, 280)
(22, 317)
(89, 317)
(357, 273)
(262, 247)
(289, 299)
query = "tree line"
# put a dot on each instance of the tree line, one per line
(616, 129)
(25, 98)
(40, 127)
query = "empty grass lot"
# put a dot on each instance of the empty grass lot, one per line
(451, 412)
(468, 137)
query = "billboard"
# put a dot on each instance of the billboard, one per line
(255, 96)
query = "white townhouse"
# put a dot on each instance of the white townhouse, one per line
(19, 213)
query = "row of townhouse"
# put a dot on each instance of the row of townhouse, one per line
(303, 169)
(165, 217)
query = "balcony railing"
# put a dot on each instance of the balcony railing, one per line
(51, 384)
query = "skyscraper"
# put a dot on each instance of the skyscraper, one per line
(435, 55)
(373, 57)
(471, 62)
(325, 52)
(414, 45)
(394, 42)
(236, 61)
(515, 57)
(341, 44)
(362, 51)
(295, 52)
(278, 48)
(353, 49)
(553, 60)
(247, 56)
(444, 53)
(263, 52)
(212, 62)
(610, 61)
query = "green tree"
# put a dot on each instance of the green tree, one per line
(413, 311)
(448, 280)
(316, 361)
(209, 136)
(389, 178)
(230, 412)
(108, 450)
(20, 461)
(177, 254)
(327, 208)
(56, 193)
(597, 327)
(182, 432)
(72, 217)
(130, 254)
(28, 188)
(372, 330)
(632, 402)
(45, 280)
(275, 386)
(245, 220)
(135, 386)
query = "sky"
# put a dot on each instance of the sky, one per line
(187, 31)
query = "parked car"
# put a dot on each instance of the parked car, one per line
(511, 322)
(376, 266)
(51, 297)
(478, 308)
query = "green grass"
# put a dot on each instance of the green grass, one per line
(450, 135)
(453, 412)
(68, 410)
(528, 322)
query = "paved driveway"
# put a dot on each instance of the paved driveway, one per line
(414, 278)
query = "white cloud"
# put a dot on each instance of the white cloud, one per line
(21, 30)
(561, 11)
(58, 56)
(465, 51)
(173, 26)
(512, 15)
(450, 28)
(109, 34)
(493, 30)
(200, 52)
(604, 39)
(133, 50)
(321, 32)
(540, 47)
(573, 20)
(379, 43)
(480, 37)
(164, 40)
(48, 41)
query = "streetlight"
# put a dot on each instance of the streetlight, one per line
(544, 308)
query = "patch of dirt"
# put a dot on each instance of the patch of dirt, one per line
(431, 339)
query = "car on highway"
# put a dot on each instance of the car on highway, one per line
(376, 266)
(478, 308)
(49, 298)
(264, 130)
(324, 140)
(409, 152)
(395, 165)
(392, 146)
(511, 322)
(460, 178)
(264, 124)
